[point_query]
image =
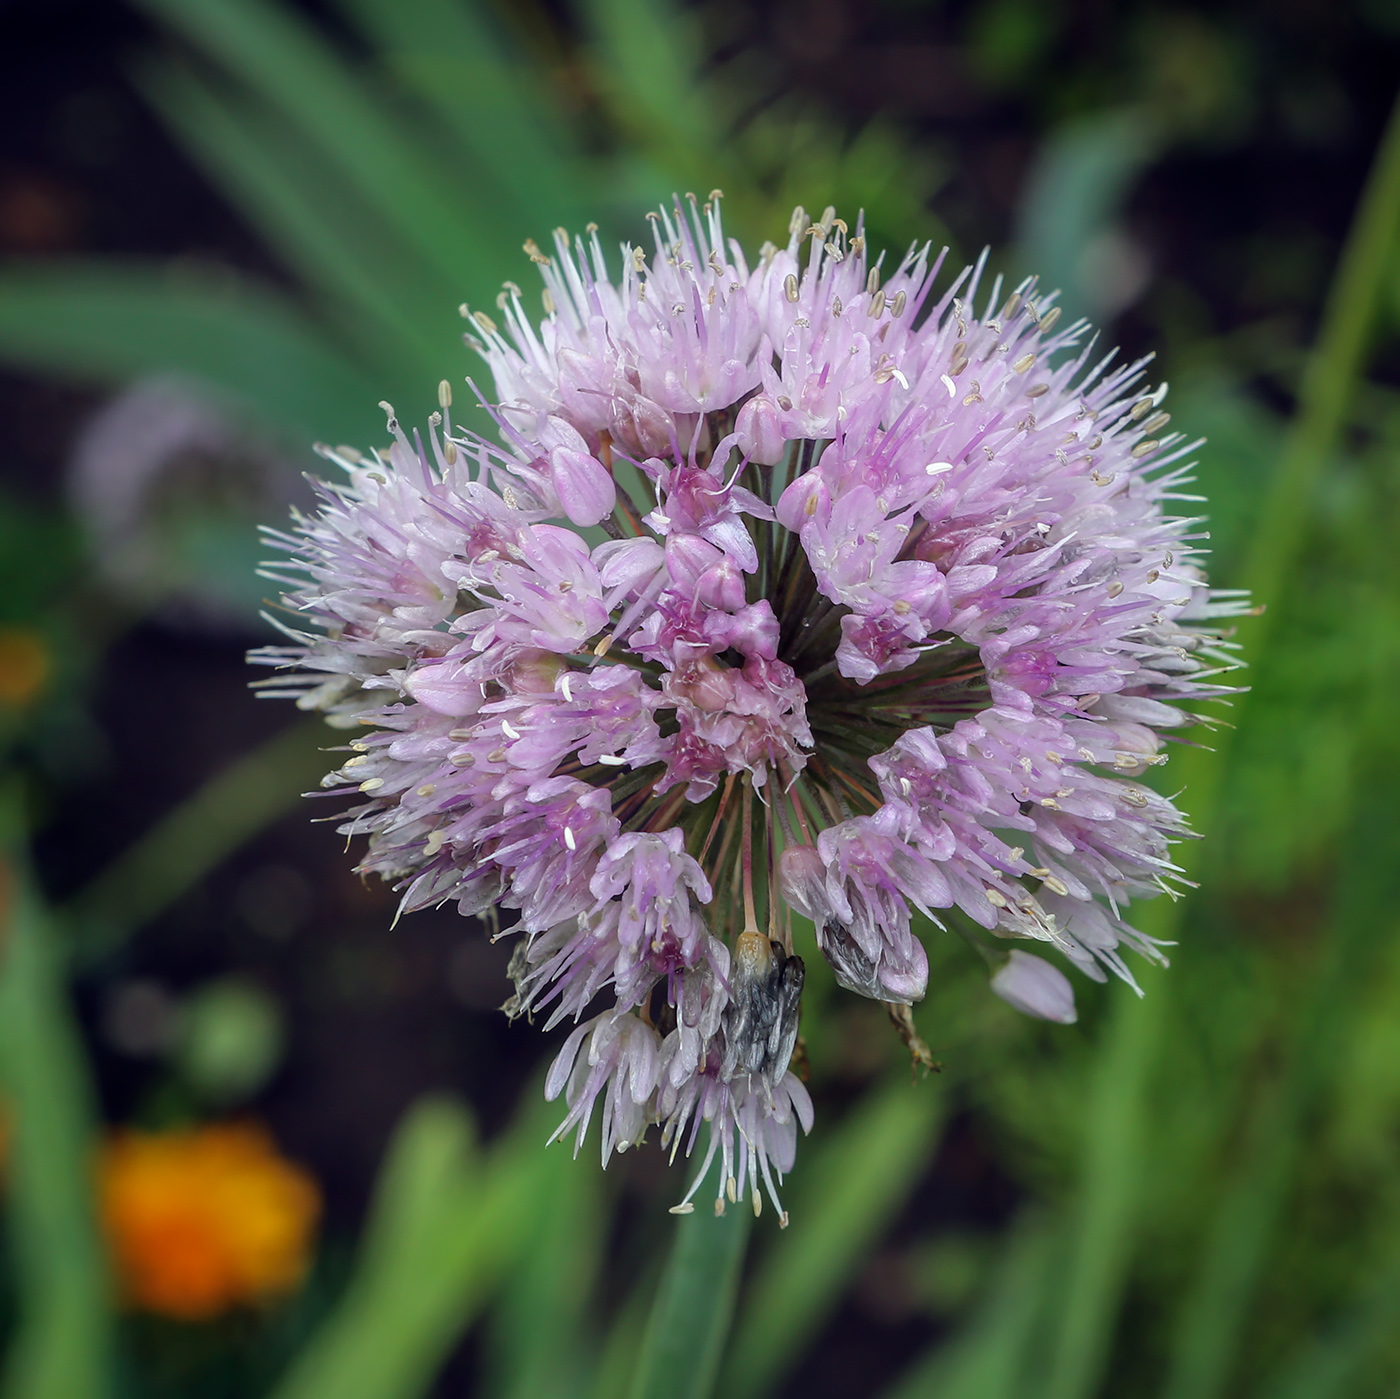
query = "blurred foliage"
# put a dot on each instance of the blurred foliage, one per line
(1203, 1193)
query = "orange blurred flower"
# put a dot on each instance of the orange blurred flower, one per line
(24, 665)
(202, 1220)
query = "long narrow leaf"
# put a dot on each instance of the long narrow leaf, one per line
(1110, 1194)
(694, 1305)
(291, 65)
(1251, 1205)
(191, 838)
(1099, 1260)
(398, 311)
(112, 323)
(991, 1358)
(501, 111)
(846, 1192)
(62, 1348)
(1330, 1365)
(444, 1226)
(539, 1341)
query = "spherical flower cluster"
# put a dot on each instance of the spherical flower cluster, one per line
(205, 1219)
(797, 588)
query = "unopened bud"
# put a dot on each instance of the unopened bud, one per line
(1034, 987)
(585, 490)
(802, 876)
(721, 586)
(760, 432)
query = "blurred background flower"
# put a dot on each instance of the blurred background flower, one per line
(205, 1219)
(228, 229)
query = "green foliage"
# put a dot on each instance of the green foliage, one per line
(683, 1343)
(62, 1348)
(112, 323)
(446, 1221)
(1213, 1207)
(851, 1186)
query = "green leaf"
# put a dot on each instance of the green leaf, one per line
(502, 112)
(402, 316)
(991, 1357)
(845, 1191)
(1074, 192)
(648, 54)
(1111, 1180)
(111, 323)
(62, 1346)
(694, 1305)
(1092, 1289)
(444, 1226)
(539, 1337)
(1237, 1246)
(1332, 1364)
(1251, 1206)
(291, 66)
(195, 835)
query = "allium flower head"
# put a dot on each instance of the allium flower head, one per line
(800, 588)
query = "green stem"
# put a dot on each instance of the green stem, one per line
(690, 1318)
(1114, 1168)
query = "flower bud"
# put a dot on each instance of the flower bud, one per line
(805, 499)
(585, 490)
(760, 431)
(688, 559)
(721, 586)
(704, 682)
(802, 875)
(752, 631)
(1034, 987)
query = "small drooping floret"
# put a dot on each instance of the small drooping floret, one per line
(792, 589)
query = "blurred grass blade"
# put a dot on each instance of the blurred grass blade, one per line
(1245, 1218)
(444, 1225)
(503, 112)
(990, 1359)
(1334, 1364)
(1080, 180)
(1248, 1211)
(1330, 377)
(61, 1347)
(1110, 1192)
(195, 835)
(694, 1306)
(284, 59)
(113, 323)
(396, 310)
(846, 1190)
(1101, 1254)
(1250, 1206)
(616, 1358)
(539, 1341)
(648, 53)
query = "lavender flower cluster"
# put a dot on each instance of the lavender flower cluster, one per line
(792, 589)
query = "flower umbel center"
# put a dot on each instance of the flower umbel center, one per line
(805, 754)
